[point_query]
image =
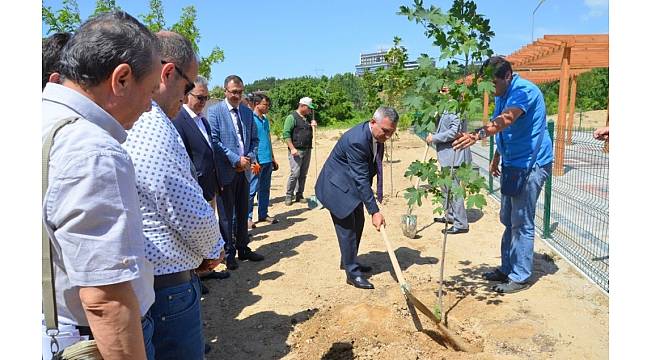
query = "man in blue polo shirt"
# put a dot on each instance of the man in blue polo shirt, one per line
(261, 182)
(523, 144)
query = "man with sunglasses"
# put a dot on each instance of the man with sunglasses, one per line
(181, 230)
(194, 130)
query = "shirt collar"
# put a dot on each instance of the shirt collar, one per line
(85, 107)
(190, 112)
(230, 107)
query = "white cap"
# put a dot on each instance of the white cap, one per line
(307, 101)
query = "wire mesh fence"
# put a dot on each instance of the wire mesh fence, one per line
(573, 211)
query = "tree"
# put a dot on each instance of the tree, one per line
(460, 31)
(102, 6)
(155, 19)
(395, 79)
(66, 19)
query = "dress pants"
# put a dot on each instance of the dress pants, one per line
(233, 215)
(457, 212)
(348, 231)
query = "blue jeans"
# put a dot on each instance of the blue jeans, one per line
(260, 184)
(178, 329)
(147, 334)
(518, 216)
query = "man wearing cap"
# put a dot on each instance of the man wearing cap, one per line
(298, 133)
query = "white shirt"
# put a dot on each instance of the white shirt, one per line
(374, 143)
(180, 227)
(199, 123)
(91, 209)
(234, 123)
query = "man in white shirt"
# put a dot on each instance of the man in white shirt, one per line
(90, 209)
(180, 227)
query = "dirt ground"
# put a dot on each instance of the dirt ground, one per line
(296, 304)
(590, 119)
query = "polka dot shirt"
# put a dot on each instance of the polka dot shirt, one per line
(180, 227)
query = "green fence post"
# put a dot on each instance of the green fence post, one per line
(548, 187)
(490, 177)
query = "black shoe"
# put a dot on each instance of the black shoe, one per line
(251, 255)
(362, 268)
(510, 287)
(218, 275)
(301, 199)
(495, 275)
(452, 230)
(204, 289)
(231, 264)
(359, 282)
(442, 220)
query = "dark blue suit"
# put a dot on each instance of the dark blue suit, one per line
(234, 197)
(200, 152)
(344, 188)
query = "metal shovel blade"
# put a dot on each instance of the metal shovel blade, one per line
(409, 225)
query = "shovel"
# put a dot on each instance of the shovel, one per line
(409, 222)
(312, 201)
(454, 341)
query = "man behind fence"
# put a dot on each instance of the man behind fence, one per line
(526, 154)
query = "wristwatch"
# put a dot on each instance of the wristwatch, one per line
(481, 133)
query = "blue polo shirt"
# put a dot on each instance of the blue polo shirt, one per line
(264, 151)
(520, 138)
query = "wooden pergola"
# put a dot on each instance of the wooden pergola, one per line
(563, 58)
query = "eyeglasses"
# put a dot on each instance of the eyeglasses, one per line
(190, 84)
(236, 92)
(201, 97)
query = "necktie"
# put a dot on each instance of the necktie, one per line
(239, 127)
(380, 171)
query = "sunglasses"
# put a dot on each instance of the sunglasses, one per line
(201, 97)
(190, 85)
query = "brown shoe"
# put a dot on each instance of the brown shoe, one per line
(251, 224)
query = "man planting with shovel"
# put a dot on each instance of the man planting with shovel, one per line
(344, 186)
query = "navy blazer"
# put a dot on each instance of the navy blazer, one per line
(200, 152)
(346, 178)
(225, 139)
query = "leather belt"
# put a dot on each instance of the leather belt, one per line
(169, 280)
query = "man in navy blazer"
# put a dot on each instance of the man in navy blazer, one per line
(234, 139)
(195, 133)
(344, 186)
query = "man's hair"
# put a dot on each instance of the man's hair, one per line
(386, 112)
(234, 78)
(258, 97)
(52, 47)
(104, 42)
(201, 81)
(499, 65)
(175, 48)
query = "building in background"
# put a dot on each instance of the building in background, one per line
(377, 60)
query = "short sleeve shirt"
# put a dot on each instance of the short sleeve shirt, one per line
(517, 143)
(91, 209)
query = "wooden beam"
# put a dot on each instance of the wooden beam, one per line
(572, 107)
(558, 166)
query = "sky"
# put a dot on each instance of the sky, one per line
(294, 38)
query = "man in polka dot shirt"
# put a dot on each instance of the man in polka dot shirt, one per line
(180, 227)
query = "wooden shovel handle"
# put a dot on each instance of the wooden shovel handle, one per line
(393, 258)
